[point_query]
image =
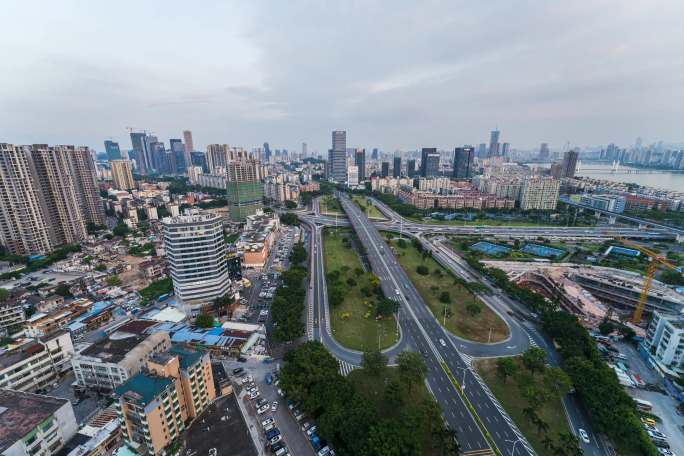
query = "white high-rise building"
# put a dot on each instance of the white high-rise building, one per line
(664, 343)
(352, 176)
(196, 255)
(539, 193)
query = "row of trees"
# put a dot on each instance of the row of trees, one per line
(538, 383)
(612, 411)
(288, 303)
(388, 418)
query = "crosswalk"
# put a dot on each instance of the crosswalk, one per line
(346, 368)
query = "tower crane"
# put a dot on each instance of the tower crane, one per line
(656, 262)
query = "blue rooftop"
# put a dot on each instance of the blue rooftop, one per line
(188, 357)
(146, 386)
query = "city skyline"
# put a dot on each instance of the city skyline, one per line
(450, 84)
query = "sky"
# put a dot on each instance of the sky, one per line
(396, 75)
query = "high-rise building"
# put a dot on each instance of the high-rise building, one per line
(337, 157)
(177, 148)
(138, 150)
(245, 191)
(85, 177)
(122, 174)
(544, 151)
(505, 149)
(112, 150)
(304, 150)
(396, 167)
(482, 150)
(374, 154)
(154, 406)
(384, 169)
(539, 193)
(494, 143)
(267, 152)
(570, 163)
(352, 176)
(463, 162)
(217, 157)
(199, 159)
(189, 145)
(24, 226)
(411, 168)
(57, 183)
(664, 342)
(196, 256)
(360, 162)
(429, 162)
(47, 195)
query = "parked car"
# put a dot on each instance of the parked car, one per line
(274, 406)
(306, 426)
(311, 430)
(267, 421)
(263, 409)
(237, 370)
(254, 394)
(276, 439)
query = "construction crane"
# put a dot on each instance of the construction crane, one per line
(656, 262)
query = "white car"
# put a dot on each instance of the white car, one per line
(311, 430)
(267, 421)
(583, 435)
(254, 394)
(274, 406)
(247, 379)
(268, 427)
(441, 341)
(263, 409)
(276, 439)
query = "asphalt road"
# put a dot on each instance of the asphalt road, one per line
(440, 351)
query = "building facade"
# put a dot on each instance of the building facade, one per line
(569, 164)
(196, 255)
(122, 174)
(360, 162)
(539, 193)
(244, 189)
(463, 162)
(112, 149)
(429, 163)
(664, 342)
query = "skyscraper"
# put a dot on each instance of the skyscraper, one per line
(196, 255)
(396, 168)
(267, 152)
(138, 147)
(384, 169)
(482, 150)
(47, 195)
(304, 150)
(505, 149)
(374, 154)
(411, 168)
(429, 162)
(337, 157)
(122, 174)
(178, 150)
(494, 143)
(189, 145)
(217, 157)
(544, 151)
(244, 189)
(112, 150)
(24, 228)
(199, 159)
(463, 162)
(360, 162)
(569, 164)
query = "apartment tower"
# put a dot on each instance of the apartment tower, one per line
(122, 174)
(244, 190)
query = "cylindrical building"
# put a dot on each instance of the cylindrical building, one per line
(196, 255)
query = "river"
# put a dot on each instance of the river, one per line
(664, 180)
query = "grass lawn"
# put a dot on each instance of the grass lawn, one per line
(459, 321)
(371, 388)
(330, 206)
(368, 208)
(509, 397)
(353, 322)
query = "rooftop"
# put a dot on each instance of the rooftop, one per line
(188, 356)
(21, 412)
(27, 350)
(145, 386)
(113, 349)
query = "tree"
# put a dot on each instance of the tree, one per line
(606, 327)
(4, 294)
(392, 393)
(298, 254)
(121, 229)
(204, 321)
(557, 381)
(506, 367)
(473, 309)
(422, 269)
(290, 204)
(114, 281)
(386, 307)
(444, 297)
(289, 219)
(401, 243)
(374, 362)
(411, 368)
(336, 294)
(62, 290)
(534, 359)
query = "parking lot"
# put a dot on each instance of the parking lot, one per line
(292, 436)
(664, 406)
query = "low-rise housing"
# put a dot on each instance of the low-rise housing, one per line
(256, 241)
(32, 424)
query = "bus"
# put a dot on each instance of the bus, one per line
(643, 406)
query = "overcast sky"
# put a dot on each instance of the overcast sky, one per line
(394, 74)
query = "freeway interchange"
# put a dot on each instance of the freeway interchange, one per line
(469, 407)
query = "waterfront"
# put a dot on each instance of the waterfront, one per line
(657, 179)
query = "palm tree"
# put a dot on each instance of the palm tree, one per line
(547, 443)
(542, 426)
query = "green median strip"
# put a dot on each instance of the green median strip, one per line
(484, 430)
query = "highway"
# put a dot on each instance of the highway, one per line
(440, 351)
